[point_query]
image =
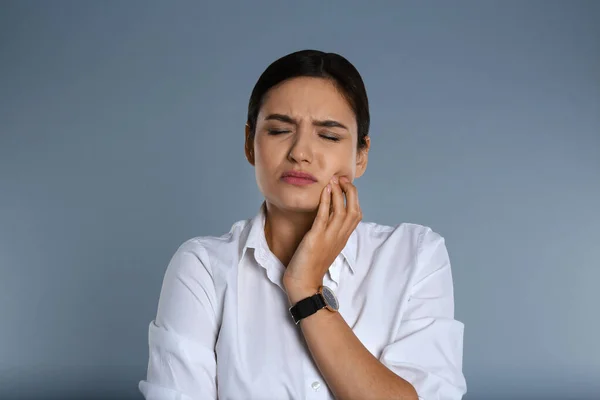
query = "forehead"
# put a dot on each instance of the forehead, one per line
(308, 98)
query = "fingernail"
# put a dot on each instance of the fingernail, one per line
(334, 179)
(344, 179)
(328, 188)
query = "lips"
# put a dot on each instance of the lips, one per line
(299, 174)
(298, 178)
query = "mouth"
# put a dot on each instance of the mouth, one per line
(298, 178)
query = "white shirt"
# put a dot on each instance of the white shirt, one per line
(223, 328)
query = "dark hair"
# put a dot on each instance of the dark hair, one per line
(314, 63)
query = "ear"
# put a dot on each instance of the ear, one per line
(362, 158)
(249, 146)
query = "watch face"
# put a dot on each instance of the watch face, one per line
(330, 298)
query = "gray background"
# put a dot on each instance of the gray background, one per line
(121, 136)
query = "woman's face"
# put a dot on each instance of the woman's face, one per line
(304, 126)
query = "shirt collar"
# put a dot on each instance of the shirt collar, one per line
(255, 239)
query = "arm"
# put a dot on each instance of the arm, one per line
(426, 350)
(350, 370)
(182, 363)
(427, 347)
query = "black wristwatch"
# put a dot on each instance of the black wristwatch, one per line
(324, 298)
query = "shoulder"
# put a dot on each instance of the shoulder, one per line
(218, 249)
(416, 249)
(415, 236)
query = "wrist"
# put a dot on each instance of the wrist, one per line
(296, 293)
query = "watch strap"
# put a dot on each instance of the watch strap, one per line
(307, 307)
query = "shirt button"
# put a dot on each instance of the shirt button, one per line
(316, 386)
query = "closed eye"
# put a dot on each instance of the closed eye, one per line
(332, 138)
(277, 131)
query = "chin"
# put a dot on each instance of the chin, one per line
(295, 202)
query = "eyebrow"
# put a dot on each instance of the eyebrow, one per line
(328, 123)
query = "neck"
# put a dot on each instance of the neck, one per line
(284, 230)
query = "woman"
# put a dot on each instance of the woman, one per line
(304, 301)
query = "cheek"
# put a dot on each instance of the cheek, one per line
(345, 165)
(261, 152)
(266, 164)
(266, 161)
(347, 172)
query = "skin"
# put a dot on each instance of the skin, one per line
(307, 226)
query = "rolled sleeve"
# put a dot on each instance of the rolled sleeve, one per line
(427, 348)
(182, 363)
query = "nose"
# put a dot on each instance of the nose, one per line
(301, 150)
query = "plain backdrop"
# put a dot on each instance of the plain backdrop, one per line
(121, 136)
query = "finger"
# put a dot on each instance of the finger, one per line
(353, 211)
(339, 211)
(322, 217)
